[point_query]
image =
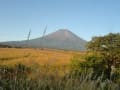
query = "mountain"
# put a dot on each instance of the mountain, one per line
(61, 39)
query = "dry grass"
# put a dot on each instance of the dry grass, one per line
(46, 77)
(12, 56)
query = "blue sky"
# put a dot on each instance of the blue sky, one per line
(86, 18)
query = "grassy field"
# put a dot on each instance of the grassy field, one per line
(45, 69)
(12, 56)
(45, 61)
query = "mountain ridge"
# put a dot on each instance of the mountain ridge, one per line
(60, 39)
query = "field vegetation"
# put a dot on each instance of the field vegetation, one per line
(45, 69)
(11, 56)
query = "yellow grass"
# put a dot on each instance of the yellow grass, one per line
(12, 56)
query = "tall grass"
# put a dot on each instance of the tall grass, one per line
(43, 80)
(51, 76)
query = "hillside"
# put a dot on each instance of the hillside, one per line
(61, 39)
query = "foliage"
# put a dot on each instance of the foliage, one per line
(19, 71)
(68, 82)
(79, 67)
(104, 56)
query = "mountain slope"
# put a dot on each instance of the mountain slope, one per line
(61, 39)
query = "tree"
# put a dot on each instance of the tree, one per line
(105, 55)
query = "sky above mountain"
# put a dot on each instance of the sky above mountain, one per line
(86, 18)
